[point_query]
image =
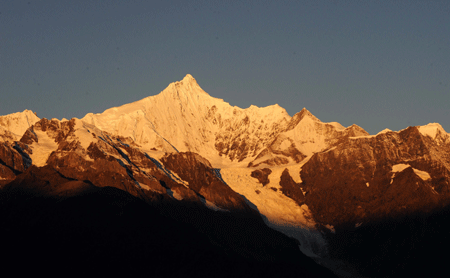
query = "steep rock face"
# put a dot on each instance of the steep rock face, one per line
(11, 158)
(86, 153)
(82, 152)
(6, 175)
(79, 151)
(203, 179)
(304, 136)
(45, 182)
(252, 129)
(290, 188)
(262, 175)
(356, 180)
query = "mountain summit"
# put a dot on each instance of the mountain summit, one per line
(186, 87)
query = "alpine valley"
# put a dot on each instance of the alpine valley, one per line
(183, 184)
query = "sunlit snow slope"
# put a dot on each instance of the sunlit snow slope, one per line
(13, 126)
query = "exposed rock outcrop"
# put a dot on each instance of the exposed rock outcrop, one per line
(201, 178)
(290, 188)
(262, 175)
(355, 182)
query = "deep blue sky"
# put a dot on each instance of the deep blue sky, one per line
(378, 64)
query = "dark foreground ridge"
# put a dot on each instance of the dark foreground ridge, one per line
(412, 245)
(102, 231)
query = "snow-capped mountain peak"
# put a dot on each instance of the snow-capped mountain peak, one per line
(187, 87)
(305, 113)
(436, 132)
(17, 123)
(183, 117)
(432, 130)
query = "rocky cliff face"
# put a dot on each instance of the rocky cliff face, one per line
(302, 137)
(82, 152)
(371, 177)
(11, 162)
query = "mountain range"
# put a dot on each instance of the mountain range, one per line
(184, 184)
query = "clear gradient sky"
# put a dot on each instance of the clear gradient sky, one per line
(378, 64)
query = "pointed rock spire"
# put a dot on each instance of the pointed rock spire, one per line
(355, 130)
(189, 78)
(305, 113)
(300, 116)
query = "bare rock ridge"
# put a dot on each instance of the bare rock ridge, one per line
(195, 159)
(262, 175)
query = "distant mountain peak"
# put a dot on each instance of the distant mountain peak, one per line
(431, 130)
(189, 78)
(305, 113)
(19, 122)
(355, 130)
(386, 130)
